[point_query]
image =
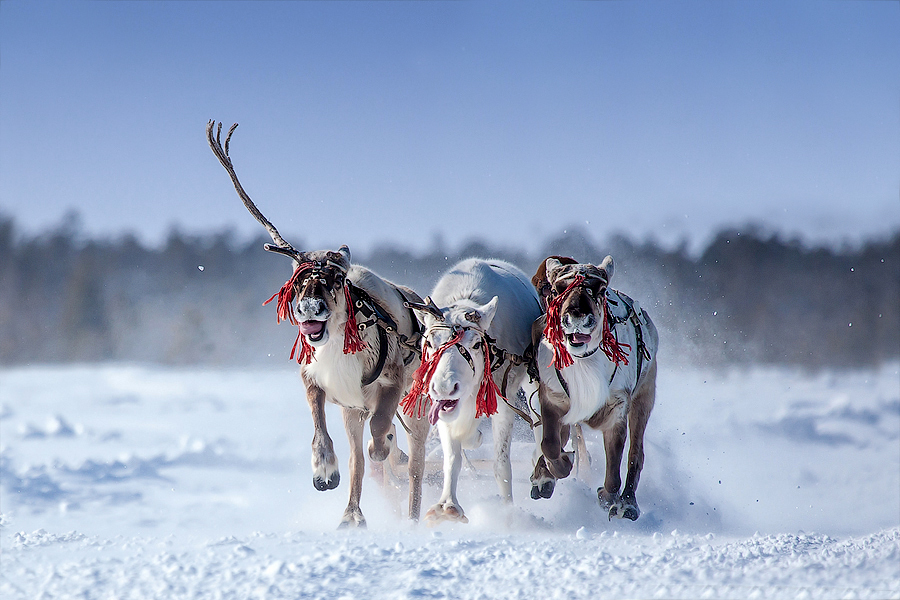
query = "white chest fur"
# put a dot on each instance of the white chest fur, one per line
(338, 374)
(588, 383)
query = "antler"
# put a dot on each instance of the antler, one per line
(429, 307)
(215, 143)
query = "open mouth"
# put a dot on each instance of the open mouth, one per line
(577, 340)
(314, 330)
(439, 406)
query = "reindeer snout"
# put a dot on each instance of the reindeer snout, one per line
(444, 388)
(312, 308)
(573, 321)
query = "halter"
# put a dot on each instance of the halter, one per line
(416, 402)
(323, 271)
(553, 332)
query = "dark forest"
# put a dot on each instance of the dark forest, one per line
(747, 297)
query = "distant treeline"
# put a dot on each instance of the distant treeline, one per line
(748, 296)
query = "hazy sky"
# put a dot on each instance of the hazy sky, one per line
(367, 122)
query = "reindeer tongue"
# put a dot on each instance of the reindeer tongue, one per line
(312, 327)
(580, 338)
(436, 407)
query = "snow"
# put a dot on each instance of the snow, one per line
(129, 481)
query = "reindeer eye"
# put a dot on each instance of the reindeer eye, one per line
(477, 345)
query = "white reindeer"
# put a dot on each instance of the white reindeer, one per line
(477, 319)
(597, 360)
(357, 349)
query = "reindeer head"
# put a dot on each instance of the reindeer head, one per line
(455, 370)
(576, 309)
(319, 280)
(320, 307)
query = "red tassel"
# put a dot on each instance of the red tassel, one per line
(352, 341)
(553, 331)
(417, 400)
(307, 352)
(555, 337)
(611, 346)
(487, 394)
(286, 295)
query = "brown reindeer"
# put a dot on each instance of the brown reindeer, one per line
(597, 360)
(357, 348)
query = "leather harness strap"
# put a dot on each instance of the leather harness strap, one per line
(377, 316)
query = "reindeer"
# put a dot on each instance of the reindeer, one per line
(597, 360)
(357, 348)
(475, 346)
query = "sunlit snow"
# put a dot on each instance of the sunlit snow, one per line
(132, 481)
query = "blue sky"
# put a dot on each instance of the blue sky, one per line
(396, 122)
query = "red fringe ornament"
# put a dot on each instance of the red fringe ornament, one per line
(413, 401)
(555, 337)
(352, 342)
(416, 402)
(611, 346)
(486, 404)
(553, 331)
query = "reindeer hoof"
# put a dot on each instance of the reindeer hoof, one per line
(544, 490)
(631, 513)
(353, 518)
(562, 466)
(353, 525)
(621, 510)
(445, 512)
(378, 452)
(323, 484)
(607, 500)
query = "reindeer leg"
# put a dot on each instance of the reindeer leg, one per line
(326, 475)
(381, 421)
(582, 456)
(614, 444)
(448, 508)
(556, 436)
(501, 425)
(553, 463)
(638, 415)
(354, 420)
(418, 433)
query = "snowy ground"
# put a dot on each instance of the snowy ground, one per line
(142, 482)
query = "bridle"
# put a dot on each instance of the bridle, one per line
(609, 342)
(415, 403)
(331, 275)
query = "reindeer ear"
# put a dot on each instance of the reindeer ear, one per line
(608, 267)
(483, 315)
(552, 265)
(345, 252)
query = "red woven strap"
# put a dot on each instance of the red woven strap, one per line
(415, 403)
